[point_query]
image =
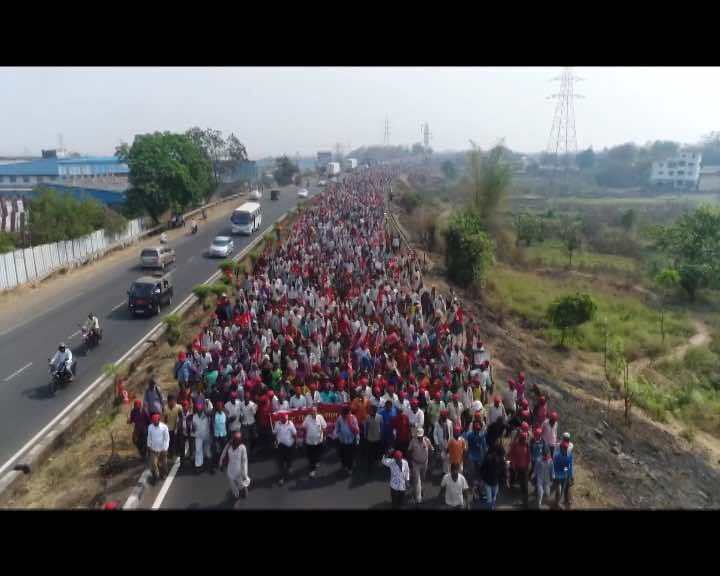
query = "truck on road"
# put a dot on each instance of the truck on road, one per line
(333, 169)
(351, 164)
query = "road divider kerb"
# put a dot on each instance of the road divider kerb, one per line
(52, 436)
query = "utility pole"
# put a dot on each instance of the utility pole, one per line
(563, 137)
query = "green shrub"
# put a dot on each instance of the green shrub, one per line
(470, 252)
(409, 200)
(202, 292)
(8, 242)
(172, 333)
(569, 312)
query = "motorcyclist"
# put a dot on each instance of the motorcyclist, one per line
(193, 226)
(62, 360)
(92, 326)
(163, 238)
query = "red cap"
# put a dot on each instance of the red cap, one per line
(537, 433)
(438, 395)
(112, 505)
(523, 435)
(455, 396)
(199, 406)
(341, 386)
(401, 395)
(525, 414)
(497, 399)
(376, 390)
(137, 403)
(270, 394)
(182, 356)
(511, 383)
(155, 418)
(543, 400)
(411, 388)
(553, 416)
(565, 443)
(524, 427)
(457, 429)
(219, 405)
(444, 412)
(521, 376)
(413, 403)
(186, 404)
(283, 418)
(397, 454)
(524, 403)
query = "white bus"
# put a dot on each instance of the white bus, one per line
(247, 218)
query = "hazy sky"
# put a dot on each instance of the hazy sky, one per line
(289, 110)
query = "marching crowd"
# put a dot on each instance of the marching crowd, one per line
(335, 320)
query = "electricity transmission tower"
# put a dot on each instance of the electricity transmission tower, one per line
(386, 137)
(563, 138)
(426, 136)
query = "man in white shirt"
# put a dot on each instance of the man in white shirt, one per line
(416, 416)
(249, 429)
(158, 442)
(496, 411)
(399, 478)
(314, 426)
(233, 411)
(285, 436)
(455, 488)
(237, 465)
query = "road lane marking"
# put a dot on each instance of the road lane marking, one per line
(118, 306)
(73, 335)
(18, 371)
(166, 485)
(190, 259)
(11, 461)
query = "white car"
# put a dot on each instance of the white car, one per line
(255, 195)
(322, 183)
(302, 193)
(221, 247)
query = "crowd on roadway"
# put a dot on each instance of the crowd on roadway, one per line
(335, 339)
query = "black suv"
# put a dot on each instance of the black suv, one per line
(148, 294)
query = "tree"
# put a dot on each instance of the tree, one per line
(628, 219)
(570, 312)
(212, 143)
(692, 245)
(470, 251)
(570, 236)
(166, 171)
(285, 169)
(491, 181)
(585, 159)
(529, 228)
(236, 149)
(449, 169)
(55, 217)
(666, 280)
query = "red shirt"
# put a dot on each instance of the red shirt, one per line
(401, 425)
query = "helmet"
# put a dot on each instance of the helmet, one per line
(91, 315)
(61, 346)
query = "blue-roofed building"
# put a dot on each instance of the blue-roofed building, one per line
(44, 169)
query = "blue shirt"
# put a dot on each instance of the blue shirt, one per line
(477, 445)
(387, 416)
(220, 424)
(562, 461)
(328, 397)
(343, 432)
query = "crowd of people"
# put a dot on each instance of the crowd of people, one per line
(337, 314)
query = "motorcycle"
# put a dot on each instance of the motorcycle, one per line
(60, 377)
(91, 338)
(177, 221)
(194, 229)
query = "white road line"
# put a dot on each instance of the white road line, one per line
(190, 259)
(11, 461)
(166, 485)
(73, 335)
(118, 306)
(18, 371)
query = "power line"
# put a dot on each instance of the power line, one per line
(563, 137)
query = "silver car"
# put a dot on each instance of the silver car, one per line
(157, 257)
(221, 247)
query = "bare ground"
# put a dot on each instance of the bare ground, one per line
(647, 465)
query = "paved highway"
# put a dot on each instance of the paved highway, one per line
(25, 405)
(330, 489)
